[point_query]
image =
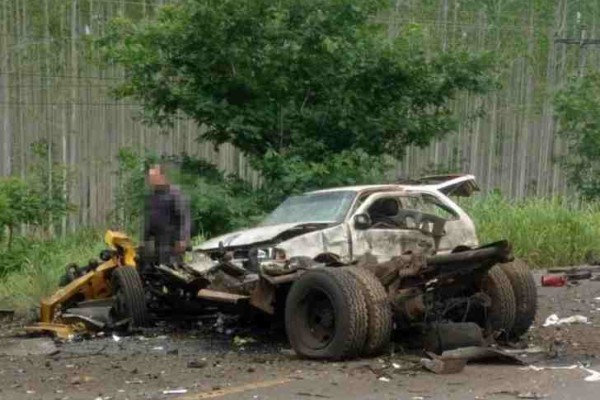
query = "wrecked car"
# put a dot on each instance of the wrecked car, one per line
(349, 222)
(343, 267)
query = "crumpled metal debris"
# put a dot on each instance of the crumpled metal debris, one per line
(593, 377)
(175, 391)
(555, 320)
(454, 361)
(440, 337)
(440, 365)
(239, 341)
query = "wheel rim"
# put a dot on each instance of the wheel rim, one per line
(318, 316)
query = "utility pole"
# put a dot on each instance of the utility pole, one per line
(582, 42)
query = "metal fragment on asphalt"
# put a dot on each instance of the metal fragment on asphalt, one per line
(175, 391)
(555, 320)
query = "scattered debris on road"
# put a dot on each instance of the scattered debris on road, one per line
(575, 319)
(454, 361)
(521, 395)
(175, 391)
(27, 347)
(570, 275)
(554, 280)
(197, 364)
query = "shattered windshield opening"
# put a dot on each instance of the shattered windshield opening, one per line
(313, 207)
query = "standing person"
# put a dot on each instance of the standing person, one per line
(166, 229)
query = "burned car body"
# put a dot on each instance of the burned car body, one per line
(407, 249)
(350, 222)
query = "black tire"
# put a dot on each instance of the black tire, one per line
(502, 311)
(525, 290)
(69, 276)
(326, 315)
(379, 311)
(128, 291)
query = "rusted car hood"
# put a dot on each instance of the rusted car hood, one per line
(260, 234)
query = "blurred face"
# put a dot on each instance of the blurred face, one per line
(156, 178)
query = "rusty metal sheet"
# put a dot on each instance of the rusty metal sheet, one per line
(223, 297)
(278, 280)
(263, 296)
(441, 366)
(62, 331)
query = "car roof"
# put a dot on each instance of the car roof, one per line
(460, 185)
(359, 189)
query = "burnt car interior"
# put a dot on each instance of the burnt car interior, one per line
(388, 213)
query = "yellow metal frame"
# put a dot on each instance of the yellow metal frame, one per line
(93, 285)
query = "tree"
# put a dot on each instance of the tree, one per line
(577, 108)
(303, 80)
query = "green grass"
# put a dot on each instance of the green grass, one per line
(36, 267)
(544, 232)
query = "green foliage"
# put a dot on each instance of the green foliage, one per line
(288, 175)
(577, 110)
(219, 202)
(18, 203)
(130, 189)
(48, 181)
(39, 199)
(222, 202)
(291, 80)
(32, 268)
(544, 232)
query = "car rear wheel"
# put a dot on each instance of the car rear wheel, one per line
(525, 291)
(499, 316)
(379, 311)
(326, 315)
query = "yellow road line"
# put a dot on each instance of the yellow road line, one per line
(235, 389)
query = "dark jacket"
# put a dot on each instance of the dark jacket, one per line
(167, 217)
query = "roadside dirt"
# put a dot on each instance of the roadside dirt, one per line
(212, 361)
(580, 341)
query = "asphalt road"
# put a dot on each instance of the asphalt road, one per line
(194, 364)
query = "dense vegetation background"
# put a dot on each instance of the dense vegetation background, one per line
(51, 88)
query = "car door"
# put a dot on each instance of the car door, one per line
(459, 230)
(385, 242)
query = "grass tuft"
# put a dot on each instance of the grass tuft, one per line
(39, 267)
(543, 232)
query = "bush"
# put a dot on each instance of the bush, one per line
(18, 205)
(33, 267)
(219, 202)
(38, 200)
(223, 202)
